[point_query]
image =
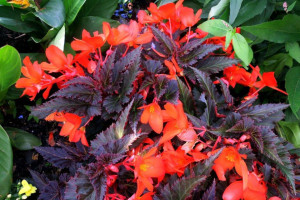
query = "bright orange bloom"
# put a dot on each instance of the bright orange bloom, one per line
(23, 3)
(177, 124)
(228, 159)
(176, 161)
(35, 79)
(152, 114)
(71, 126)
(58, 60)
(256, 189)
(188, 18)
(146, 168)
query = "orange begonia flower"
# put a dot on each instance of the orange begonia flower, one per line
(71, 126)
(176, 161)
(177, 124)
(146, 168)
(256, 189)
(228, 159)
(35, 79)
(188, 18)
(58, 60)
(152, 114)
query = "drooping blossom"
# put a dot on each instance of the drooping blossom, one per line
(256, 189)
(35, 79)
(71, 126)
(152, 114)
(230, 158)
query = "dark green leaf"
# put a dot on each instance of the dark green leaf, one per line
(99, 8)
(277, 62)
(91, 24)
(235, 6)
(6, 160)
(10, 66)
(249, 10)
(161, 86)
(242, 49)
(10, 18)
(278, 31)
(72, 8)
(292, 85)
(53, 13)
(294, 50)
(22, 140)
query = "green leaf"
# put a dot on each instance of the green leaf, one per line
(53, 13)
(229, 36)
(163, 2)
(4, 3)
(294, 50)
(242, 49)
(278, 31)
(99, 8)
(277, 62)
(216, 27)
(72, 8)
(250, 10)
(91, 24)
(291, 7)
(22, 140)
(6, 160)
(290, 131)
(59, 39)
(292, 85)
(49, 36)
(218, 9)
(10, 18)
(10, 66)
(235, 6)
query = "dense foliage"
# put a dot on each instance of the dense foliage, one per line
(149, 109)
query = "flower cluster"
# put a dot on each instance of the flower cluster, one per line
(158, 71)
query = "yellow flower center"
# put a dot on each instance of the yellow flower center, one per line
(231, 157)
(144, 167)
(151, 109)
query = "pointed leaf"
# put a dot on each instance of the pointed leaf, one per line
(210, 193)
(164, 39)
(185, 96)
(215, 64)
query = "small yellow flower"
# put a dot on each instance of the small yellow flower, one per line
(23, 3)
(27, 188)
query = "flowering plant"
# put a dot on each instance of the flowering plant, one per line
(169, 127)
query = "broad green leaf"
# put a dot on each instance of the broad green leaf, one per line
(229, 36)
(290, 131)
(278, 31)
(10, 18)
(13, 93)
(91, 24)
(59, 39)
(216, 27)
(53, 13)
(235, 6)
(40, 57)
(294, 50)
(277, 62)
(292, 85)
(249, 10)
(49, 36)
(242, 49)
(22, 140)
(218, 9)
(10, 66)
(99, 8)
(72, 8)
(6, 160)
